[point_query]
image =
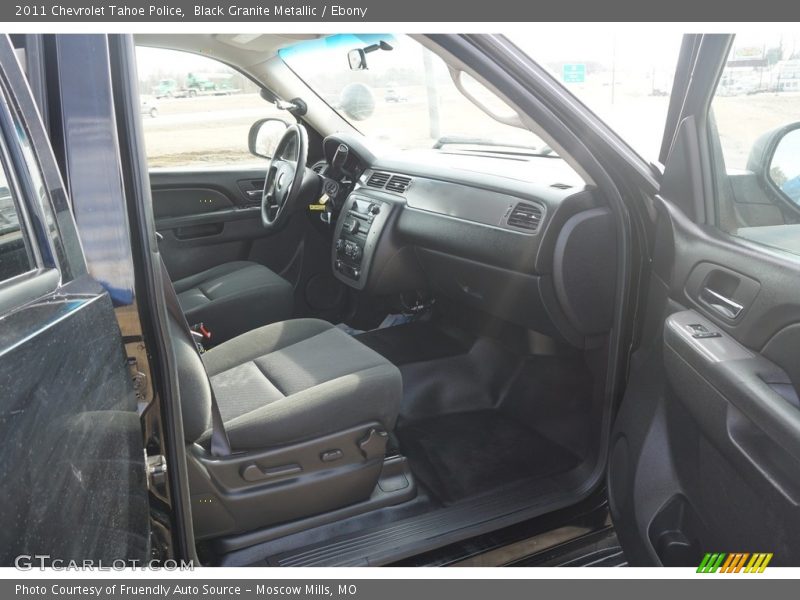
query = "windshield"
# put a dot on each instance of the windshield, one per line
(406, 96)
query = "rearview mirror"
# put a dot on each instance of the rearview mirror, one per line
(265, 135)
(357, 59)
(776, 158)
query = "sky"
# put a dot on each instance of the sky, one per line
(153, 60)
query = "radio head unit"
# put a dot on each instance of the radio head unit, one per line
(356, 236)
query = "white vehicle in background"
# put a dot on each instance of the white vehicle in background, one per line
(789, 85)
(392, 95)
(148, 106)
(787, 76)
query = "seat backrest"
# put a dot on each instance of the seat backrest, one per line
(193, 384)
(196, 394)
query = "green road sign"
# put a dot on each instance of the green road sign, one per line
(574, 73)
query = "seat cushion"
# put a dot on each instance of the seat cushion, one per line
(299, 380)
(234, 297)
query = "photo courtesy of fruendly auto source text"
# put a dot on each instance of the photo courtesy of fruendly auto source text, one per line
(511, 289)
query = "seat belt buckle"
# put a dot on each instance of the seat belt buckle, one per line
(200, 334)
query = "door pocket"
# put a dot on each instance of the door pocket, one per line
(677, 533)
(776, 465)
(199, 231)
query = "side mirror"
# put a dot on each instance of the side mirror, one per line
(775, 158)
(357, 59)
(264, 136)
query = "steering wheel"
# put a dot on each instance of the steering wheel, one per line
(284, 177)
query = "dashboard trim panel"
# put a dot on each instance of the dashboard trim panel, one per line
(448, 231)
(353, 250)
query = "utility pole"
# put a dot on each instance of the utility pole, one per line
(613, 67)
(653, 81)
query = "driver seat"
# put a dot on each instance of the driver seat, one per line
(233, 298)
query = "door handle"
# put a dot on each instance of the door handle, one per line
(254, 193)
(726, 307)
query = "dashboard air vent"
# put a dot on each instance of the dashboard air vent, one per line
(378, 179)
(561, 186)
(398, 184)
(318, 166)
(525, 216)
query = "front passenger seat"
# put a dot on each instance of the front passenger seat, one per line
(283, 422)
(234, 297)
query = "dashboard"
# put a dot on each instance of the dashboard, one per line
(520, 238)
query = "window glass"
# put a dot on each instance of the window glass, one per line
(15, 257)
(624, 78)
(196, 111)
(756, 130)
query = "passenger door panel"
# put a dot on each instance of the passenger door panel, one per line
(706, 448)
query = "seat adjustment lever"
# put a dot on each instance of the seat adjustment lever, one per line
(374, 444)
(253, 472)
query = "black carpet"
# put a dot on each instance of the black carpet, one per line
(462, 455)
(412, 342)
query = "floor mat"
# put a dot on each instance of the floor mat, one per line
(462, 455)
(412, 342)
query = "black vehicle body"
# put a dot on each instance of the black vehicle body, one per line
(617, 273)
(58, 315)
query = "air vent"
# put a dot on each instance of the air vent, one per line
(318, 166)
(561, 186)
(525, 216)
(398, 184)
(378, 179)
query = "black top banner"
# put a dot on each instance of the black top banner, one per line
(441, 11)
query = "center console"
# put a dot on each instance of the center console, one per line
(358, 230)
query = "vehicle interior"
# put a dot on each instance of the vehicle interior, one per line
(400, 300)
(401, 349)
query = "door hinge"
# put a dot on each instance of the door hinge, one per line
(156, 468)
(141, 386)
